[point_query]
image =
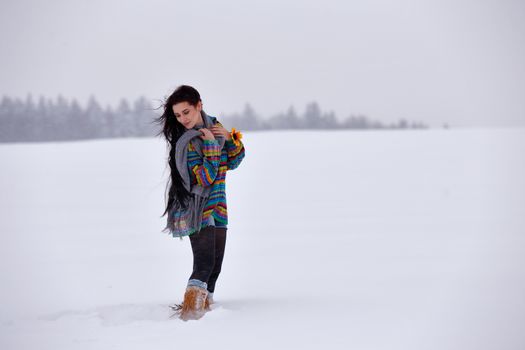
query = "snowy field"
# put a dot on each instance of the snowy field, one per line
(337, 240)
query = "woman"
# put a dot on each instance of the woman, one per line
(201, 150)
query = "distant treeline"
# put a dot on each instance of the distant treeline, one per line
(48, 120)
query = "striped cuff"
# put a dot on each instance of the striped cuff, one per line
(211, 148)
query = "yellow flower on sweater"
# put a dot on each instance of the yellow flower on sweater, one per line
(236, 136)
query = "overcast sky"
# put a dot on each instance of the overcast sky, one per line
(460, 62)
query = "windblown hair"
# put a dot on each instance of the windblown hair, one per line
(172, 130)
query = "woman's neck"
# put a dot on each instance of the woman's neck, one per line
(200, 122)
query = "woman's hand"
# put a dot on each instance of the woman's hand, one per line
(221, 131)
(207, 134)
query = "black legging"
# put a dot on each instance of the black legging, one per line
(208, 251)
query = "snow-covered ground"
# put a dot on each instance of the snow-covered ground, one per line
(340, 240)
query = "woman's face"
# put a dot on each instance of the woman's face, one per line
(188, 115)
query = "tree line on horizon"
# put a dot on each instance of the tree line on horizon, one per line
(61, 119)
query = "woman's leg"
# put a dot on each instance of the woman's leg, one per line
(220, 244)
(203, 246)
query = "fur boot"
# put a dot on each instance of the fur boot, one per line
(209, 301)
(193, 306)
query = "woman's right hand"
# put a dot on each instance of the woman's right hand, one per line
(207, 134)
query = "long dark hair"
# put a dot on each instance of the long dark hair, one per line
(172, 130)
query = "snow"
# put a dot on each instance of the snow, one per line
(346, 239)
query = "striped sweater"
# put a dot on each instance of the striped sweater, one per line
(210, 170)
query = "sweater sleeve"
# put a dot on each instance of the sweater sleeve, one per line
(205, 168)
(235, 153)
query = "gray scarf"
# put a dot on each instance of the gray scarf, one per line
(182, 221)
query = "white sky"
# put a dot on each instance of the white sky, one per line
(460, 62)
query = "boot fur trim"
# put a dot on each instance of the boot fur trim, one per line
(193, 306)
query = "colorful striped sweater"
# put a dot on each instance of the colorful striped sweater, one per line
(210, 170)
